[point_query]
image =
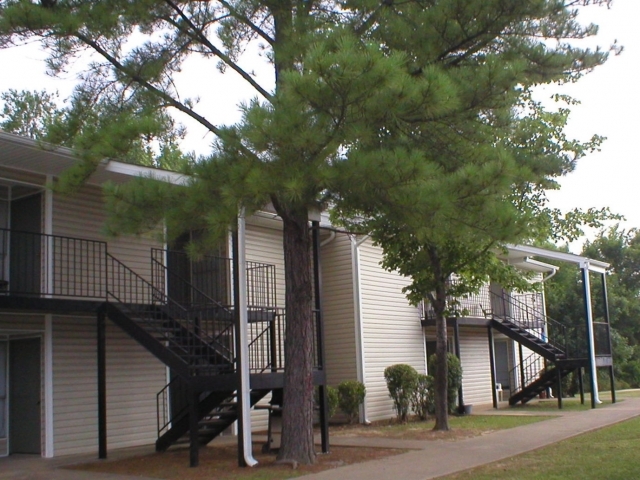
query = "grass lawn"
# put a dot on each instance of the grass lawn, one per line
(610, 453)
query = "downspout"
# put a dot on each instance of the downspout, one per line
(331, 238)
(357, 306)
(544, 304)
(243, 367)
(586, 284)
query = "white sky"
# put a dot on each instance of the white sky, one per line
(610, 107)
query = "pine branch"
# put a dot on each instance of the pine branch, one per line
(234, 13)
(155, 90)
(196, 34)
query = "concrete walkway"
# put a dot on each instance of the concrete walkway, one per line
(427, 459)
(432, 459)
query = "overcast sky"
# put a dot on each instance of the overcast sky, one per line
(610, 107)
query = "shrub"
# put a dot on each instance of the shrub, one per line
(332, 400)
(351, 394)
(401, 382)
(454, 378)
(423, 398)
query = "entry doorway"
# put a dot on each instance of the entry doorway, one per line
(502, 364)
(20, 393)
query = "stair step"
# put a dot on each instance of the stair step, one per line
(212, 423)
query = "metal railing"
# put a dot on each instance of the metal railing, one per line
(166, 400)
(51, 265)
(525, 373)
(193, 335)
(187, 281)
(602, 339)
(266, 344)
(469, 305)
(506, 307)
(266, 321)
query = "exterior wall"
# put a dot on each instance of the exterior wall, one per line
(391, 329)
(264, 244)
(134, 377)
(83, 216)
(476, 365)
(339, 311)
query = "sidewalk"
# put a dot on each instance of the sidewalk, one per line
(432, 459)
(427, 459)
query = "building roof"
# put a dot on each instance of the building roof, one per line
(520, 253)
(32, 156)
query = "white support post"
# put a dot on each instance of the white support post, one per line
(589, 314)
(48, 386)
(48, 230)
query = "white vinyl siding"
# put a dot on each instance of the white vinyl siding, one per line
(391, 328)
(83, 215)
(476, 365)
(338, 310)
(134, 377)
(15, 323)
(23, 177)
(264, 244)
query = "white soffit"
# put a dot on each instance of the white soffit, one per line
(534, 265)
(27, 155)
(525, 251)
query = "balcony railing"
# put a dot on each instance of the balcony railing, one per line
(52, 265)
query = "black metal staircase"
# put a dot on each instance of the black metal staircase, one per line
(217, 410)
(552, 357)
(194, 338)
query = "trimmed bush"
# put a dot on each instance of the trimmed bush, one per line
(454, 378)
(332, 400)
(401, 382)
(351, 394)
(423, 401)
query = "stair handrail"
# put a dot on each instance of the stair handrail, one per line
(208, 299)
(525, 373)
(155, 296)
(551, 331)
(163, 404)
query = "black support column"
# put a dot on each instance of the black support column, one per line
(456, 346)
(102, 385)
(317, 285)
(492, 359)
(194, 447)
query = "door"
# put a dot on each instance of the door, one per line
(502, 364)
(24, 396)
(26, 244)
(4, 413)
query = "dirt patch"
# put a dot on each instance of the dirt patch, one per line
(221, 462)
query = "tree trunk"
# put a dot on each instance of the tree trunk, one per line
(442, 368)
(297, 415)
